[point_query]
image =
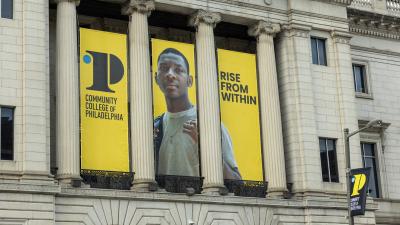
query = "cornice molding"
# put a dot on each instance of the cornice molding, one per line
(372, 24)
(374, 50)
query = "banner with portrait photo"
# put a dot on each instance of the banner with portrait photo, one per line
(104, 101)
(175, 111)
(239, 104)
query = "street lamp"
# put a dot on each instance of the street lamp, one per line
(347, 136)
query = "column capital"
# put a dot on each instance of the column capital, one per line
(141, 6)
(264, 27)
(203, 16)
(73, 1)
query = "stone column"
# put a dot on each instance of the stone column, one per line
(271, 124)
(140, 94)
(208, 101)
(68, 154)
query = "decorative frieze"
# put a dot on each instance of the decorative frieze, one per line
(372, 24)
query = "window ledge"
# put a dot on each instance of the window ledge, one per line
(364, 95)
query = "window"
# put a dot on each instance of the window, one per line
(369, 160)
(329, 167)
(360, 78)
(318, 51)
(6, 9)
(7, 133)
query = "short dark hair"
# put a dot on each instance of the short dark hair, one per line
(176, 52)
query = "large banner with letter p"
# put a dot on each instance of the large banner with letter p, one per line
(104, 101)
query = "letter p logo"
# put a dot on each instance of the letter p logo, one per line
(102, 75)
(359, 181)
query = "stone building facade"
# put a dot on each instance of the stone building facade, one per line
(301, 104)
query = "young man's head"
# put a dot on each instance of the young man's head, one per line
(173, 74)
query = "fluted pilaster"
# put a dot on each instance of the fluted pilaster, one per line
(208, 101)
(346, 93)
(68, 154)
(271, 124)
(140, 94)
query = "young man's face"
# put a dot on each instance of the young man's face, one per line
(172, 76)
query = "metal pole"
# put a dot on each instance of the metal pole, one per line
(348, 168)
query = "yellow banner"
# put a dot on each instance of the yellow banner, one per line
(104, 101)
(240, 110)
(175, 112)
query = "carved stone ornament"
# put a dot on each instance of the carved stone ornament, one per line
(372, 24)
(74, 1)
(141, 6)
(341, 37)
(295, 30)
(264, 27)
(268, 2)
(203, 16)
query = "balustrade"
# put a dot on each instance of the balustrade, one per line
(393, 7)
(367, 4)
(390, 7)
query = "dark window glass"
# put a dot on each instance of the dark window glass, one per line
(369, 160)
(329, 167)
(321, 52)
(318, 51)
(324, 160)
(359, 78)
(7, 9)
(7, 133)
(314, 50)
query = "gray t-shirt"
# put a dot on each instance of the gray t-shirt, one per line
(179, 153)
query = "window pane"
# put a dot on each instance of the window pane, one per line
(314, 51)
(332, 160)
(333, 166)
(373, 181)
(359, 78)
(7, 134)
(7, 9)
(321, 52)
(324, 159)
(369, 160)
(331, 144)
(324, 166)
(368, 149)
(322, 145)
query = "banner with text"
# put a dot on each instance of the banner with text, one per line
(359, 179)
(104, 101)
(239, 105)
